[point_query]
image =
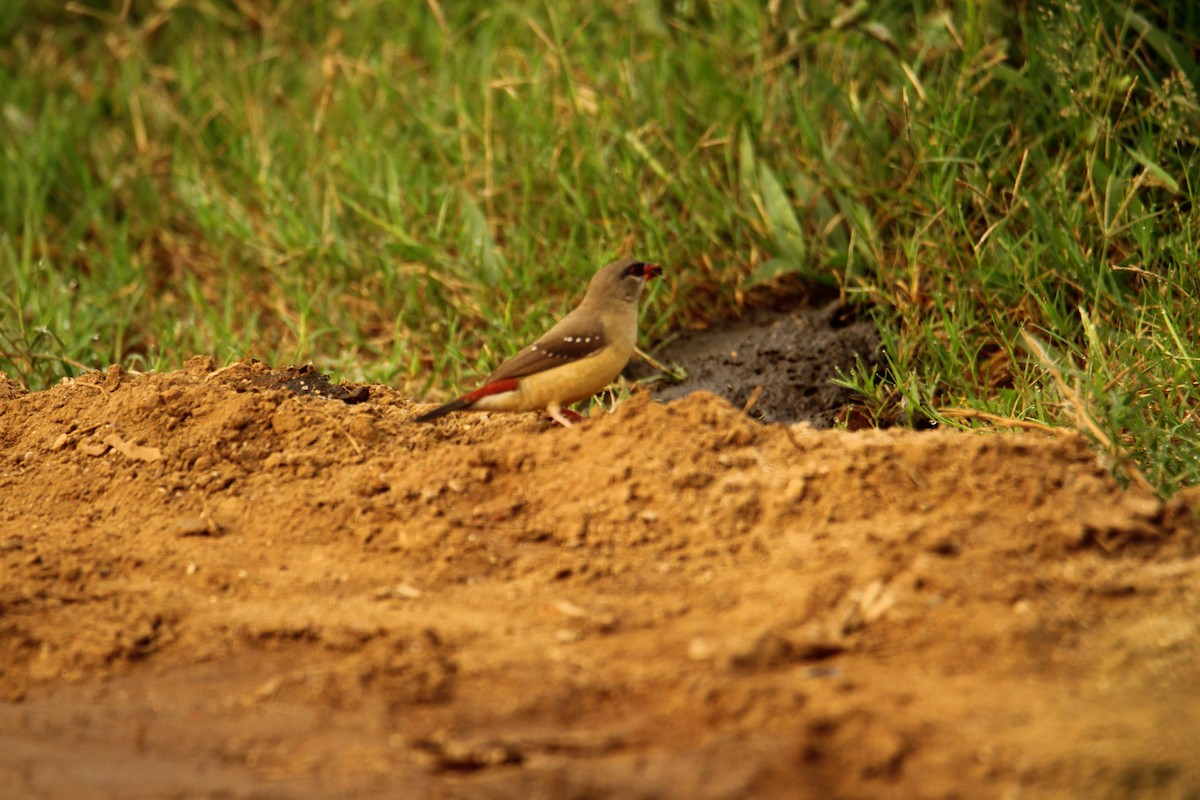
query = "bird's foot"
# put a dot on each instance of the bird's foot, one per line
(564, 416)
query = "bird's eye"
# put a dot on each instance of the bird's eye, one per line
(636, 270)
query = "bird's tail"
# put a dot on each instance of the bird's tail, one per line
(443, 410)
(470, 398)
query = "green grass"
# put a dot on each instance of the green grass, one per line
(403, 192)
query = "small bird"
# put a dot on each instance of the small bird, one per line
(575, 359)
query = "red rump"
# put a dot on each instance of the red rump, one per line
(499, 387)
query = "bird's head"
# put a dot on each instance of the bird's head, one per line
(622, 280)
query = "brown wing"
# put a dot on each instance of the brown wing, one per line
(552, 350)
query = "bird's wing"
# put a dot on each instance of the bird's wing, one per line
(561, 345)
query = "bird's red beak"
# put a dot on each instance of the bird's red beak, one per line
(650, 271)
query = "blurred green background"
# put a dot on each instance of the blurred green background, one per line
(406, 192)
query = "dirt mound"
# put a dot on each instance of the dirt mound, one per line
(223, 583)
(780, 367)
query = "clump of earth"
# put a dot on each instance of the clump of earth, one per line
(778, 367)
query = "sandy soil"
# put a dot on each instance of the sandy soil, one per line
(216, 584)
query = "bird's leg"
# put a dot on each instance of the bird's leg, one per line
(563, 416)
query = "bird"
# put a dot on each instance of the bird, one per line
(575, 359)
